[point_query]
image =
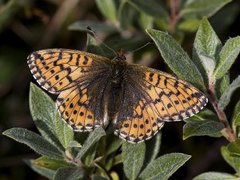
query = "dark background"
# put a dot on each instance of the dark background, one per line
(28, 25)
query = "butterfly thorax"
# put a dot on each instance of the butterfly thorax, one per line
(117, 71)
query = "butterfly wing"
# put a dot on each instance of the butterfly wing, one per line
(60, 69)
(160, 97)
(79, 78)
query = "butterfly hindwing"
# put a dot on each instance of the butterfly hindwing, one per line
(142, 125)
(73, 105)
(59, 69)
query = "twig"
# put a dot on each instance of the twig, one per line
(174, 17)
(227, 132)
(66, 7)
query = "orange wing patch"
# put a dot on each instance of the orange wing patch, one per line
(144, 124)
(59, 69)
(173, 99)
(73, 104)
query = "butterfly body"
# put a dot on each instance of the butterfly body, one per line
(94, 90)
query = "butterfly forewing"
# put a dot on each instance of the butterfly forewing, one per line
(59, 69)
(73, 75)
(173, 99)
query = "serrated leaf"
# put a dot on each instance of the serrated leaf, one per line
(236, 116)
(34, 141)
(226, 97)
(94, 25)
(164, 166)
(48, 173)
(176, 58)
(108, 9)
(201, 128)
(69, 173)
(153, 8)
(200, 8)
(227, 56)
(64, 133)
(232, 160)
(206, 48)
(49, 163)
(215, 176)
(93, 138)
(133, 158)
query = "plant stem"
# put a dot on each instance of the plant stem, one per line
(227, 132)
(174, 17)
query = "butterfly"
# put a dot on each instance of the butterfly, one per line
(94, 90)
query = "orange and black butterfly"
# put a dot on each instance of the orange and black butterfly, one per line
(94, 90)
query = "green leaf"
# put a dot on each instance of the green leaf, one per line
(43, 110)
(203, 115)
(236, 116)
(64, 133)
(221, 85)
(48, 173)
(145, 21)
(133, 158)
(108, 9)
(232, 160)
(9, 10)
(152, 148)
(94, 25)
(153, 8)
(116, 143)
(200, 8)
(234, 147)
(49, 163)
(164, 166)
(125, 14)
(215, 176)
(42, 106)
(95, 177)
(69, 173)
(189, 25)
(226, 97)
(206, 48)
(176, 58)
(227, 56)
(201, 128)
(34, 141)
(88, 158)
(92, 46)
(93, 138)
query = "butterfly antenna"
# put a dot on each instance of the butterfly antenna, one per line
(141, 47)
(93, 34)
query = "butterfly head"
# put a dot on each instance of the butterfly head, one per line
(120, 56)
